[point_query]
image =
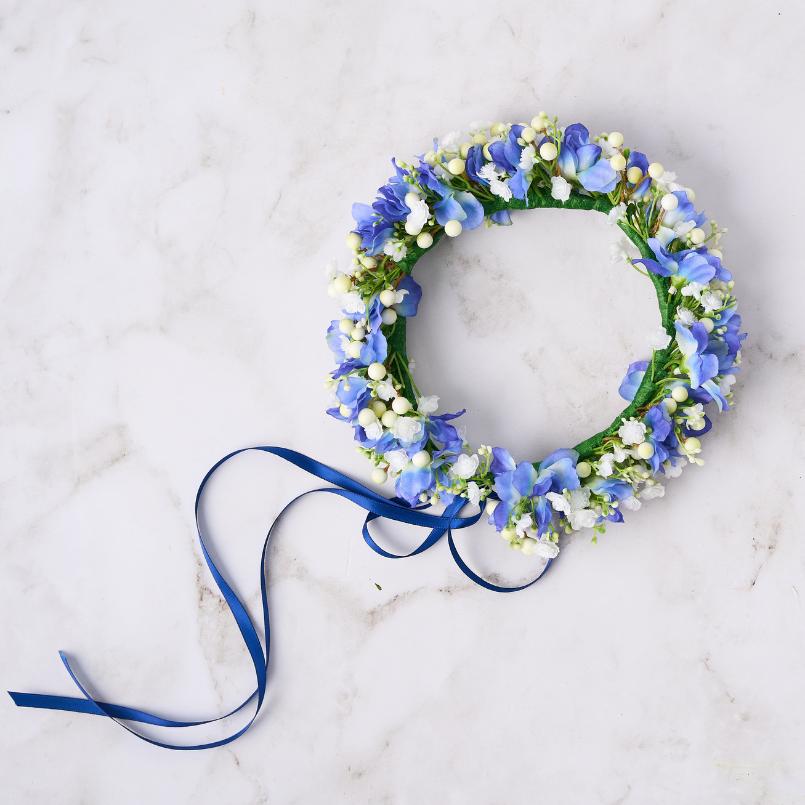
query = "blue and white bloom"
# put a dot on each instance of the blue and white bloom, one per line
(460, 183)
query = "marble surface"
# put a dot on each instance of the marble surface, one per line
(174, 178)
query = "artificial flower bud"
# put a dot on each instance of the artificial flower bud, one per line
(583, 469)
(354, 349)
(670, 404)
(707, 324)
(464, 149)
(697, 236)
(379, 475)
(411, 199)
(379, 407)
(401, 405)
(388, 297)
(645, 450)
(354, 241)
(693, 445)
(634, 174)
(346, 325)
(344, 410)
(357, 334)
(456, 166)
(669, 202)
(529, 134)
(376, 371)
(368, 262)
(366, 417)
(421, 459)
(655, 170)
(424, 240)
(548, 151)
(508, 534)
(617, 162)
(615, 139)
(679, 393)
(342, 283)
(388, 419)
(388, 316)
(452, 228)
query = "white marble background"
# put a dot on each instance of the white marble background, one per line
(174, 176)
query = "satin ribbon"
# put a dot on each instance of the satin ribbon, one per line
(376, 505)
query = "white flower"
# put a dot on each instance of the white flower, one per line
(712, 300)
(573, 505)
(632, 431)
(686, 316)
(651, 492)
(399, 296)
(385, 390)
(665, 181)
(407, 429)
(693, 289)
(673, 470)
(617, 213)
(418, 216)
(726, 383)
(450, 142)
(694, 415)
(547, 549)
(464, 466)
(473, 493)
(605, 468)
(374, 430)
(623, 251)
(659, 339)
(395, 249)
(427, 405)
(528, 158)
(560, 188)
(631, 503)
(523, 524)
(497, 186)
(620, 454)
(397, 460)
(352, 303)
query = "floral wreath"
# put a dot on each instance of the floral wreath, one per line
(466, 180)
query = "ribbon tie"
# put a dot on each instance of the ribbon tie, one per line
(376, 506)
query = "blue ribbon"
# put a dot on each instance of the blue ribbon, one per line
(377, 507)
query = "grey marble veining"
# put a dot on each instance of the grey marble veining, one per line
(174, 178)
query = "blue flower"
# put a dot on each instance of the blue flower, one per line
(501, 218)
(516, 481)
(660, 434)
(474, 162)
(639, 160)
(634, 377)
(352, 392)
(684, 212)
(700, 365)
(506, 155)
(411, 482)
(458, 205)
(375, 224)
(693, 265)
(444, 435)
(581, 160)
(373, 229)
(611, 487)
(410, 303)
(455, 205)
